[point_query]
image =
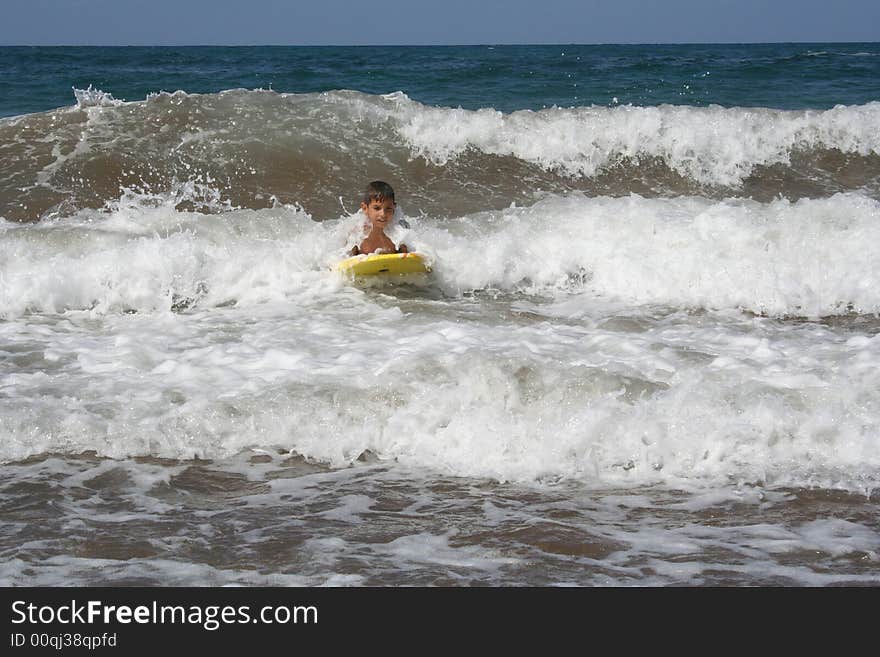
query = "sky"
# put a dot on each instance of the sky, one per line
(441, 22)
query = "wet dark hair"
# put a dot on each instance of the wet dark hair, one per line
(378, 191)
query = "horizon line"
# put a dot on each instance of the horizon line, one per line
(423, 45)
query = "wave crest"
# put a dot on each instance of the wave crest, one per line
(313, 149)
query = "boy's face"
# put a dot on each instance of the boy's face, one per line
(379, 212)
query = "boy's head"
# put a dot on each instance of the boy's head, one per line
(378, 191)
(378, 204)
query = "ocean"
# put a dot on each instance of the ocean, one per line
(648, 354)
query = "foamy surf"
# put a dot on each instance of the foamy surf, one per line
(630, 398)
(563, 349)
(647, 353)
(810, 258)
(256, 148)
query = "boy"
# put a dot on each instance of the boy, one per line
(378, 207)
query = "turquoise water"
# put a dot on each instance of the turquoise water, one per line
(783, 76)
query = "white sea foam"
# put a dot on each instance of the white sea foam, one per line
(92, 97)
(675, 402)
(588, 364)
(146, 256)
(712, 145)
(807, 258)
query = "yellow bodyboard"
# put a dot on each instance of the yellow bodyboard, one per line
(384, 263)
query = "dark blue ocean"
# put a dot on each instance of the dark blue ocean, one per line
(783, 76)
(648, 352)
